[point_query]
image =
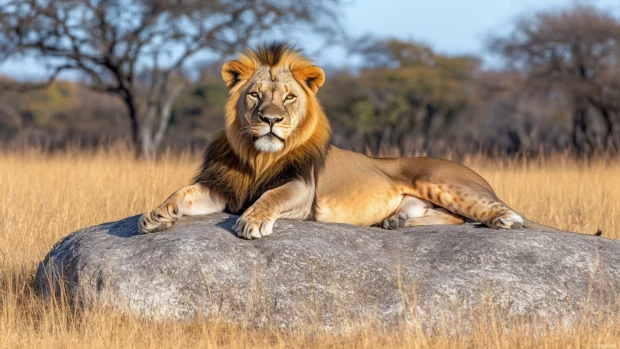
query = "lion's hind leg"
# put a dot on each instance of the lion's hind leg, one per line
(471, 201)
(413, 211)
(188, 201)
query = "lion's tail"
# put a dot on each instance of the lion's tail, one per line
(528, 224)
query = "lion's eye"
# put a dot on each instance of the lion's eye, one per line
(253, 94)
(290, 97)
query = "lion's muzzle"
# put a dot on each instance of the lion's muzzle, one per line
(269, 137)
(270, 119)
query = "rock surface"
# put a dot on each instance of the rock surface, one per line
(334, 274)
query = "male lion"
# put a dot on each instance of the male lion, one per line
(274, 160)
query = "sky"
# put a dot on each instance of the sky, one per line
(448, 26)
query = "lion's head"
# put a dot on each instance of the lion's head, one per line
(276, 131)
(272, 109)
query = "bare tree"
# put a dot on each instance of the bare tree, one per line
(574, 52)
(136, 49)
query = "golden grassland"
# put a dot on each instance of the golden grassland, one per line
(46, 196)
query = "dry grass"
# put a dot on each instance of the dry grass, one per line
(45, 197)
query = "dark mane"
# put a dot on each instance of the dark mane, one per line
(271, 54)
(238, 173)
(235, 182)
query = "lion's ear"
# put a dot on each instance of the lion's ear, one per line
(233, 72)
(312, 75)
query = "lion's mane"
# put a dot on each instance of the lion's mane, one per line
(233, 169)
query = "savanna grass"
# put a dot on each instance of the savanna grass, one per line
(46, 196)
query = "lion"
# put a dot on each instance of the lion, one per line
(274, 160)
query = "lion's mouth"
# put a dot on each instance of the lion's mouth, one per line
(272, 135)
(269, 143)
(276, 136)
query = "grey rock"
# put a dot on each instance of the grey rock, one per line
(334, 275)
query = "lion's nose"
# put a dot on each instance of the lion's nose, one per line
(270, 119)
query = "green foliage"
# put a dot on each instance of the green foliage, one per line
(404, 87)
(199, 110)
(42, 106)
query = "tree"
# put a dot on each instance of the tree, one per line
(136, 49)
(403, 92)
(574, 52)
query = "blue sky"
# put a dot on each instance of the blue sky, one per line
(449, 26)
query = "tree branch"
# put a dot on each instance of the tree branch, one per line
(27, 87)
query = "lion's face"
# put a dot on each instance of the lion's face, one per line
(272, 93)
(271, 108)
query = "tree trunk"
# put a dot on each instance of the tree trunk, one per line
(615, 133)
(582, 143)
(146, 148)
(157, 118)
(426, 126)
(359, 140)
(133, 116)
(165, 112)
(609, 140)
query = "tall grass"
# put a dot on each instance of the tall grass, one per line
(46, 196)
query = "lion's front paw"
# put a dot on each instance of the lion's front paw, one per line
(156, 220)
(254, 223)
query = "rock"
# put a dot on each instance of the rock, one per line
(334, 274)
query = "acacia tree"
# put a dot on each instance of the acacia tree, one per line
(574, 52)
(136, 49)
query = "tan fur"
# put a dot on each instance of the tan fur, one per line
(298, 175)
(374, 189)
